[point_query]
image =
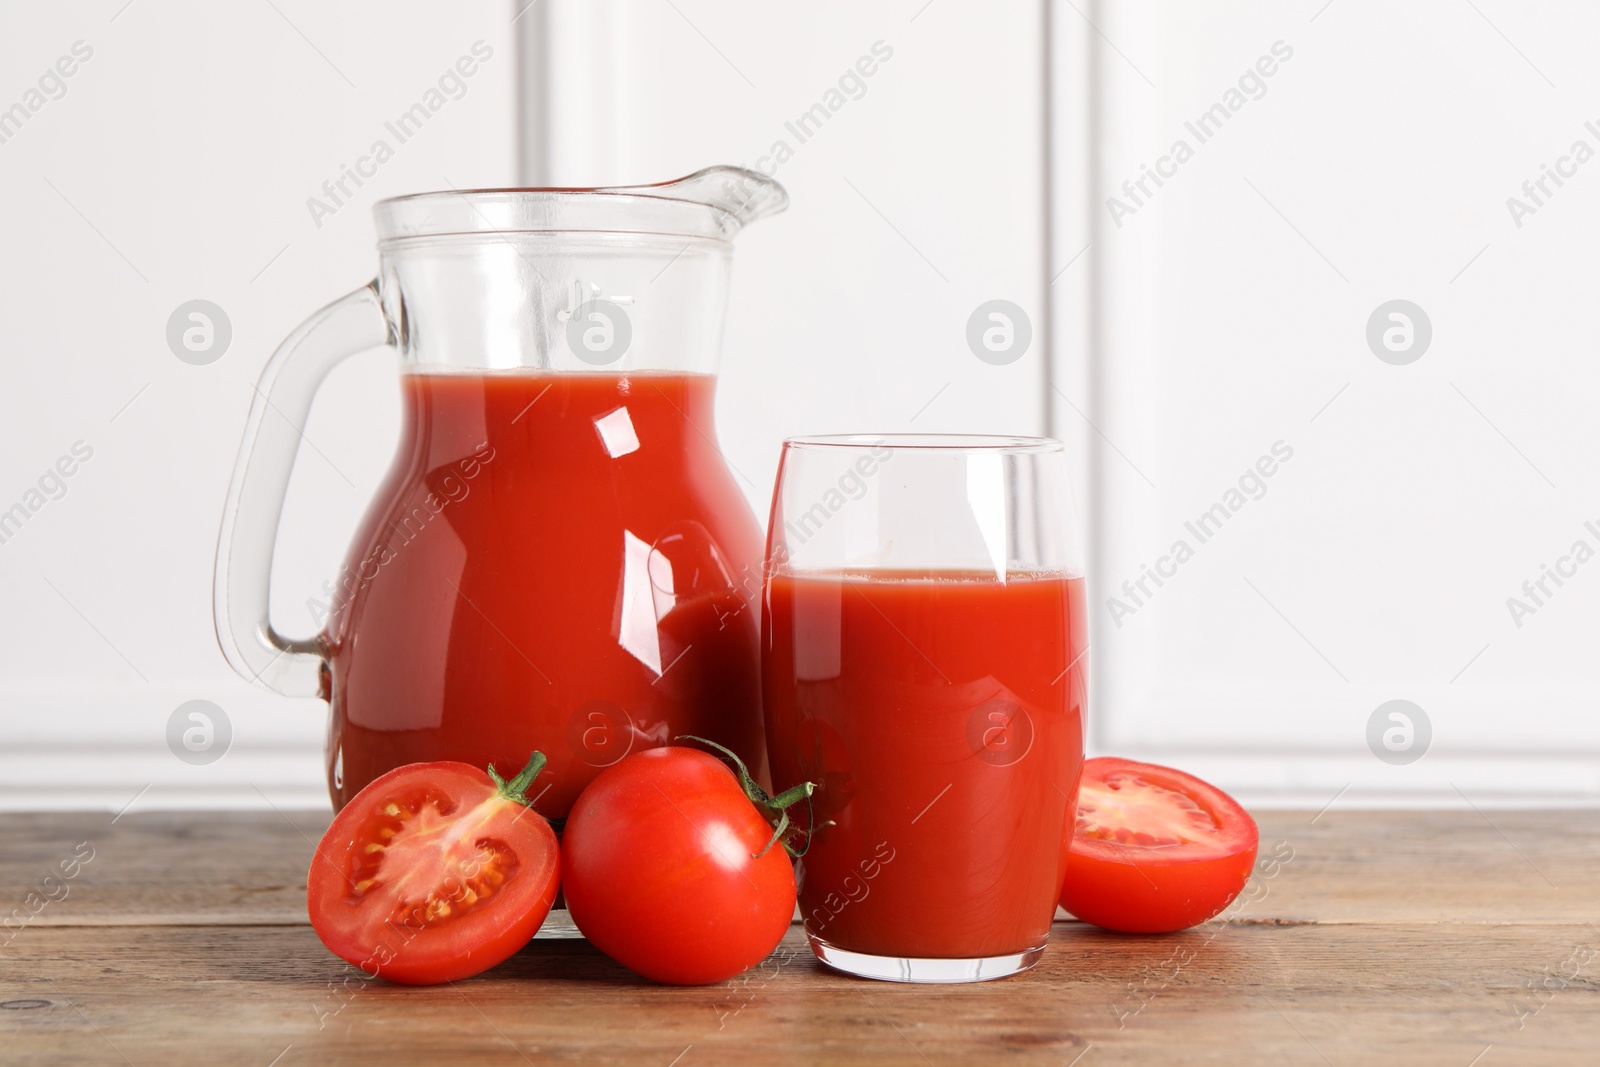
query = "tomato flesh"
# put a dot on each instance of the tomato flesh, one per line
(666, 869)
(431, 874)
(1154, 849)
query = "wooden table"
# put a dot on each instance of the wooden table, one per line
(1451, 938)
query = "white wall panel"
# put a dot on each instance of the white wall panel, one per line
(178, 165)
(1374, 164)
(920, 197)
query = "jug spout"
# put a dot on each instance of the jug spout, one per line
(739, 194)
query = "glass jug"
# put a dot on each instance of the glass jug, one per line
(559, 558)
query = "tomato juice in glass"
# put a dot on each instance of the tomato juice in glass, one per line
(556, 561)
(937, 702)
(945, 725)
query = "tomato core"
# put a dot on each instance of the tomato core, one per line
(1127, 809)
(435, 866)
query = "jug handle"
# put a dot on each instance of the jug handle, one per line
(250, 517)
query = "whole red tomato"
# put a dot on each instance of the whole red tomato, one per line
(670, 869)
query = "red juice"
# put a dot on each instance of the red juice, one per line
(942, 714)
(558, 562)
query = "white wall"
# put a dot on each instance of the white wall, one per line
(1225, 314)
(192, 140)
(1233, 314)
(178, 166)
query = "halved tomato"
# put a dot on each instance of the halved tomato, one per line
(1154, 849)
(434, 872)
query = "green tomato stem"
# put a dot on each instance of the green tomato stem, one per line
(517, 788)
(773, 809)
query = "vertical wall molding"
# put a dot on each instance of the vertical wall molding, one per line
(533, 91)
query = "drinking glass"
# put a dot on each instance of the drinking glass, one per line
(923, 637)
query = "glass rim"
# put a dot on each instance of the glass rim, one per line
(1015, 444)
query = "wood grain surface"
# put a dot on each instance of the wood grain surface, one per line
(1450, 938)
